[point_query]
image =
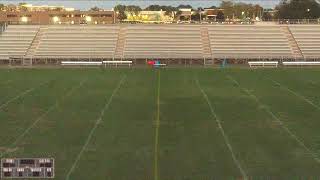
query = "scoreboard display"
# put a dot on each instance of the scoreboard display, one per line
(27, 168)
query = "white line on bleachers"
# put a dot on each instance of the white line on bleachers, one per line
(117, 63)
(70, 92)
(81, 63)
(299, 141)
(98, 121)
(302, 63)
(263, 63)
(213, 113)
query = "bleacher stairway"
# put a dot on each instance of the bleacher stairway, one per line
(119, 50)
(206, 47)
(292, 42)
(27, 61)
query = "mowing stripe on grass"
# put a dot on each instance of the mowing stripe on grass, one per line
(295, 93)
(295, 137)
(156, 140)
(97, 122)
(51, 108)
(6, 82)
(213, 113)
(23, 94)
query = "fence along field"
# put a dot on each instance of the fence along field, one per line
(163, 124)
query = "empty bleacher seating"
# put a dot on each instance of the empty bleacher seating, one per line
(121, 42)
(248, 41)
(15, 40)
(163, 41)
(77, 42)
(308, 39)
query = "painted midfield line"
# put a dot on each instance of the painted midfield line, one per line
(23, 94)
(213, 113)
(296, 138)
(156, 144)
(295, 93)
(69, 93)
(98, 121)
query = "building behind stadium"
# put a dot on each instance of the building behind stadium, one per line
(46, 15)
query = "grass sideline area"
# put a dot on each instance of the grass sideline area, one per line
(166, 124)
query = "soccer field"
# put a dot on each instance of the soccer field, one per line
(167, 124)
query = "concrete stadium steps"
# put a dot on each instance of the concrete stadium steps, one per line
(15, 40)
(78, 41)
(308, 39)
(248, 41)
(158, 41)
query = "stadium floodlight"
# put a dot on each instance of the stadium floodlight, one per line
(24, 19)
(55, 19)
(88, 18)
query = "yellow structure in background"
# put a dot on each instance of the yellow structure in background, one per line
(149, 16)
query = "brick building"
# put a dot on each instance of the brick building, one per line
(45, 15)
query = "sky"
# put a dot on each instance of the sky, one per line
(108, 4)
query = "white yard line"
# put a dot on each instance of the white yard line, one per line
(52, 107)
(295, 137)
(23, 94)
(295, 93)
(97, 122)
(213, 113)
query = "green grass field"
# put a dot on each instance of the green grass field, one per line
(168, 124)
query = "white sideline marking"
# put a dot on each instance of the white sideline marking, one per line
(22, 94)
(98, 121)
(213, 113)
(70, 92)
(295, 93)
(299, 141)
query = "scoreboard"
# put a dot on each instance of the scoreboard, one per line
(27, 168)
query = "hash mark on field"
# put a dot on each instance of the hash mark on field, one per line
(295, 93)
(52, 107)
(97, 122)
(296, 138)
(156, 142)
(23, 94)
(213, 113)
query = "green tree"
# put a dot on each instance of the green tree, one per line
(266, 16)
(153, 8)
(220, 16)
(133, 10)
(22, 6)
(298, 9)
(95, 8)
(2, 7)
(120, 10)
(237, 9)
(182, 6)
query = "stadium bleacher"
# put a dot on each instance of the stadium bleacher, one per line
(250, 42)
(154, 41)
(77, 42)
(308, 39)
(121, 42)
(16, 39)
